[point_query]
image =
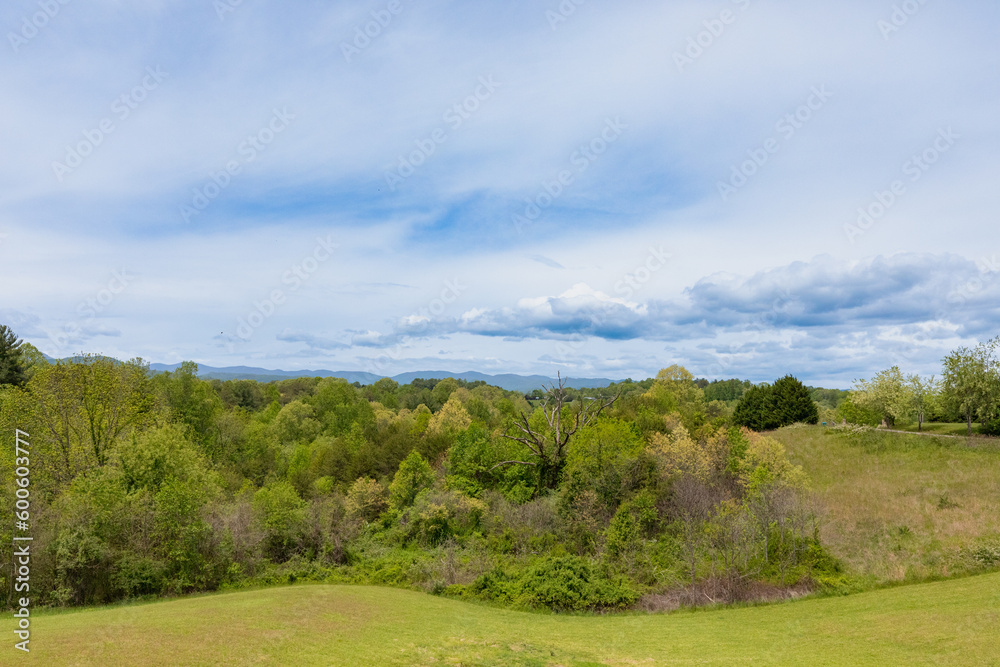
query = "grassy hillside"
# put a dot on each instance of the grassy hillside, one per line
(943, 623)
(897, 506)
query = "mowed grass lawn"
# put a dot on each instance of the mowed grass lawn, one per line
(895, 506)
(954, 622)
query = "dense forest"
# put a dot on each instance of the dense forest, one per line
(151, 484)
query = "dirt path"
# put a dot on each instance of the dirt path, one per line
(975, 437)
(936, 435)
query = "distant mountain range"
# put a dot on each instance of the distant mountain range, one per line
(508, 381)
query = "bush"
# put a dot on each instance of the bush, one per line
(566, 583)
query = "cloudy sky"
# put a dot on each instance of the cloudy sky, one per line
(747, 188)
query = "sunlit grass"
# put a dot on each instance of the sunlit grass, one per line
(955, 622)
(897, 507)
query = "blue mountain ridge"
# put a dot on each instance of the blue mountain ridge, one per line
(508, 381)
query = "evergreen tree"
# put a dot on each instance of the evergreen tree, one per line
(765, 407)
(12, 369)
(793, 402)
(756, 409)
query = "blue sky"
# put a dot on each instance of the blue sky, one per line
(602, 189)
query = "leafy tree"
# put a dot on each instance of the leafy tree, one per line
(726, 390)
(923, 396)
(970, 382)
(674, 390)
(828, 398)
(888, 393)
(443, 390)
(12, 370)
(604, 457)
(471, 465)
(450, 419)
(193, 401)
(366, 499)
(86, 406)
(414, 475)
(855, 414)
(246, 394)
(385, 391)
(282, 514)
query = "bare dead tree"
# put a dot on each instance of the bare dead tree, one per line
(548, 446)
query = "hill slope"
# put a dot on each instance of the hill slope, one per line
(897, 507)
(944, 623)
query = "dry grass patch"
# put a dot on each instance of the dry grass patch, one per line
(896, 506)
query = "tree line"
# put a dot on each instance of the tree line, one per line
(158, 484)
(967, 390)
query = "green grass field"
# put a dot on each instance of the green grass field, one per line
(896, 507)
(954, 622)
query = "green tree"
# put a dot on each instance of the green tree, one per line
(414, 475)
(923, 396)
(604, 457)
(12, 370)
(385, 391)
(970, 382)
(281, 513)
(193, 401)
(888, 394)
(756, 409)
(85, 407)
(793, 402)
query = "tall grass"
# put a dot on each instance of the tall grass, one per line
(897, 507)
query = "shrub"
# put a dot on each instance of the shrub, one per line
(566, 583)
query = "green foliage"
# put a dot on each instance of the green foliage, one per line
(971, 382)
(162, 454)
(726, 390)
(84, 408)
(856, 414)
(757, 409)
(766, 407)
(192, 402)
(12, 365)
(473, 459)
(567, 583)
(635, 519)
(888, 394)
(605, 457)
(828, 398)
(438, 515)
(793, 402)
(281, 514)
(366, 500)
(414, 475)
